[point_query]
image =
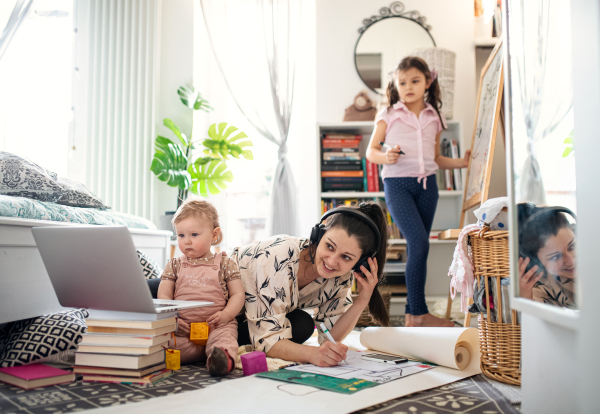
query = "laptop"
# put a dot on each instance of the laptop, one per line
(96, 268)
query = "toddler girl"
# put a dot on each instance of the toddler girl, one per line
(412, 126)
(200, 275)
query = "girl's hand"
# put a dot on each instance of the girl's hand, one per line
(393, 155)
(527, 280)
(218, 319)
(466, 159)
(367, 280)
(183, 329)
(329, 354)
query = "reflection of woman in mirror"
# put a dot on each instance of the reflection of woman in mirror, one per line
(547, 265)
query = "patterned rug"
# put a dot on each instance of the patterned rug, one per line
(472, 395)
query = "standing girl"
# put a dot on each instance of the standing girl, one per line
(412, 125)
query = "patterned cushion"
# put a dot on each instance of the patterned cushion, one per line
(77, 195)
(149, 266)
(23, 178)
(36, 339)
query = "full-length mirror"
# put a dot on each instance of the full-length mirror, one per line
(375, 55)
(543, 153)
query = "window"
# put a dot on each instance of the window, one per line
(35, 80)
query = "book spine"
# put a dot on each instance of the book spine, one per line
(364, 167)
(370, 183)
(343, 136)
(341, 149)
(342, 156)
(343, 180)
(342, 186)
(341, 173)
(340, 143)
(375, 177)
(357, 167)
(456, 172)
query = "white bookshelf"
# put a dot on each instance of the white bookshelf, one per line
(447, 215)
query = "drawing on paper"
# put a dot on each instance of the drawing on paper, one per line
(363, 369)
(484, 127)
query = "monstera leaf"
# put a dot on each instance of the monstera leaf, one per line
(224, 141)
(193, 99)
(170, 164)
(209, 175)
(171, 125)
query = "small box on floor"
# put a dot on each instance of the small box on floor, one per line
(254, 362)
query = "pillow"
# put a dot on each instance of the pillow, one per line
(20, 177)
(77, 195)
(149, 266)
(37, 339)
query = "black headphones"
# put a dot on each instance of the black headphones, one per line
(522, 228)
(317, 232)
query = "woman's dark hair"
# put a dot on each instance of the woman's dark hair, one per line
(534, 234)
(434, 94)
(356, 227)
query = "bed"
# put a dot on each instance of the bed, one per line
(25, 289)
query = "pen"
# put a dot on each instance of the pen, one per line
(384, 145)
(328, 335)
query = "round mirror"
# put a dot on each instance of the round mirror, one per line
(383, 44)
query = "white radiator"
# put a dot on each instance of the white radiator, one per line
(120, 85)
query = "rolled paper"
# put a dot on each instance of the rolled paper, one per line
(456, 348)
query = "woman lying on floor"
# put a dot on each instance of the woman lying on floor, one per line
(284, 274)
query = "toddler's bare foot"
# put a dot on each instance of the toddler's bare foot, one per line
(407, 319)
(429, 320)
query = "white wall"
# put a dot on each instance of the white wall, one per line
(176, 69)
(336, 80)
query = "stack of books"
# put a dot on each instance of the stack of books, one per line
(124, 351)
(342, 166)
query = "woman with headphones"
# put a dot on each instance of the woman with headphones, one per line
(284, 274)
(547, 265)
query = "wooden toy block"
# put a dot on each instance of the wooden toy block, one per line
(173, 359)
(199, 333)
(254, 362)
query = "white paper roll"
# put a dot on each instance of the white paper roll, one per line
(456, 348)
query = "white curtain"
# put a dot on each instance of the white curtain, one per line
(255, 43)
(540, 46)
(18, 15)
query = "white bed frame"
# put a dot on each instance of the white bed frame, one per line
(25, 288)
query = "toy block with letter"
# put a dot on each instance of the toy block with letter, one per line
(199, 333)
(173, 359)
(254, 362)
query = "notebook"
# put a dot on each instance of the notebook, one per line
(34, 376)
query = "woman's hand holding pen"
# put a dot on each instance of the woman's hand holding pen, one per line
(329, 354)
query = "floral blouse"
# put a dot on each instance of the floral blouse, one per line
(555, 290)
(269, 270)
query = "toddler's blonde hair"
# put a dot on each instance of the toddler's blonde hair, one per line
(200, 209)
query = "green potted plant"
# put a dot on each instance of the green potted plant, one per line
(174, 163)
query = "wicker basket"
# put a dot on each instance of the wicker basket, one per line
(365, 318)
(500, 343)
(443, 61)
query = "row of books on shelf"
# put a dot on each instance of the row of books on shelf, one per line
(344, 169)
(328, 204)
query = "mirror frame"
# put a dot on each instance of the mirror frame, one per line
(554, 315)
(395, 10)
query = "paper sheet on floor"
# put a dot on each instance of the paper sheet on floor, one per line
(359, 368)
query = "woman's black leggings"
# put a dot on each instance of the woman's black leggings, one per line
(302, 323)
